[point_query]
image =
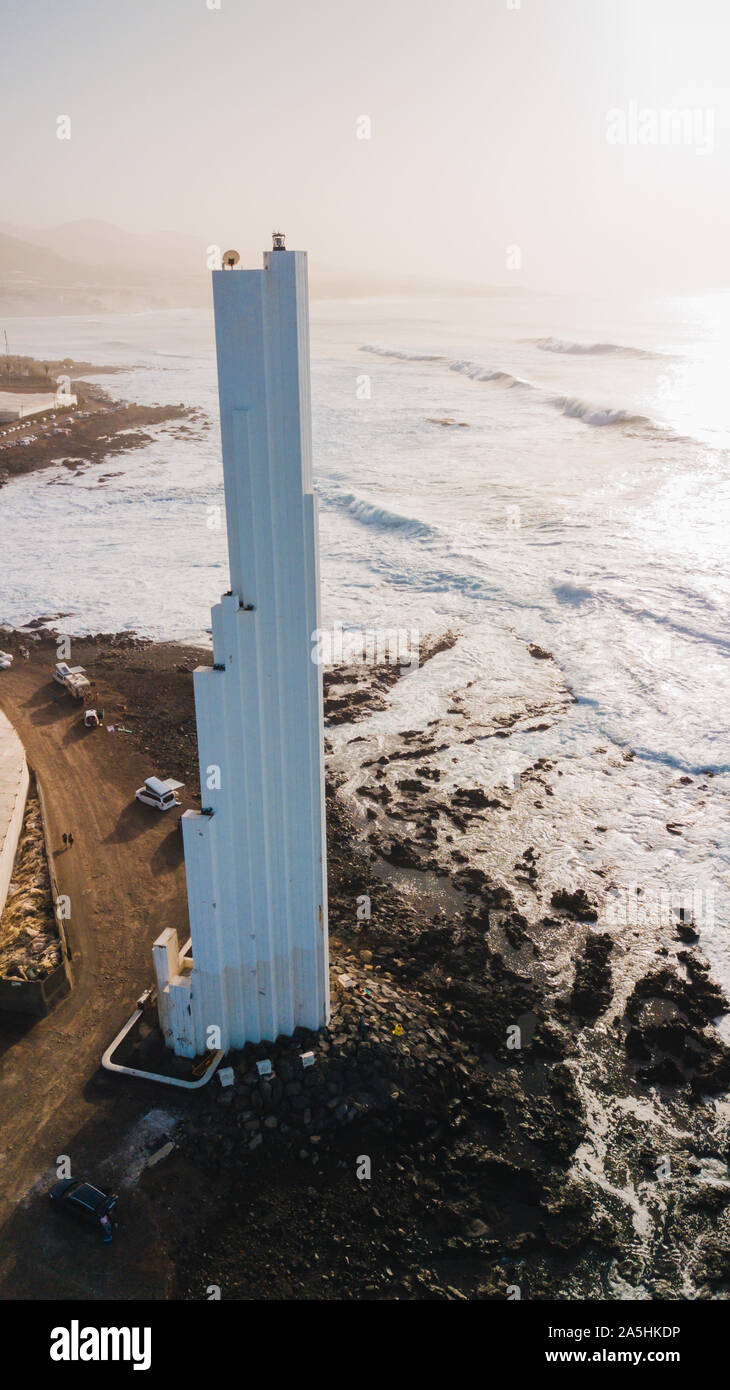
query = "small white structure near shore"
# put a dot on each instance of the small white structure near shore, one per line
(255, 854)
(19, 406)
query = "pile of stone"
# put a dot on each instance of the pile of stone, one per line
(672, 1038)
(382, 1053)
(29, 943)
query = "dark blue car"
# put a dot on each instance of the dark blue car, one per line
(85, 1201)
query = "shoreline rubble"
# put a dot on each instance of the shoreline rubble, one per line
(516, 1077)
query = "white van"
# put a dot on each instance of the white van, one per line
(159, 794)
(78, 685)
(63, 671)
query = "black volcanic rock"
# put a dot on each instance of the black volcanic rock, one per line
(592, 986)
(576, 904)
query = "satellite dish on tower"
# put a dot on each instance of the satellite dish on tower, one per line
(230, 258)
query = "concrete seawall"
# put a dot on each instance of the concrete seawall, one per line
(14, 782)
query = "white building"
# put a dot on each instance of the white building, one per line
(14, 406)
(255, 857)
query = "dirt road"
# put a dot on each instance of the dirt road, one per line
(125, 879)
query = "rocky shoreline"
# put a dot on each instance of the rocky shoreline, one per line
(538, 1088)
(97, 428)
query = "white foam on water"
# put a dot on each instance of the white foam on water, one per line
(577, 496)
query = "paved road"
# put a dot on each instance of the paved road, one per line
(125, 878)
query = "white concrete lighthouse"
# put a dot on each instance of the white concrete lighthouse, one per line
(255, 856)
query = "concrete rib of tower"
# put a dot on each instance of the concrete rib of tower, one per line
(255, 864)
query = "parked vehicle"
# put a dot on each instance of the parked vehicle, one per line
(72, 678)
(93, 718)
(84, 1201)
(159, 794)
(78, 685)
(6, 661)
(62, 672)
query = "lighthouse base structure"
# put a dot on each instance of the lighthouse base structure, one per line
(255, 857)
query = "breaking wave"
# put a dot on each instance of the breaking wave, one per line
(370, 514)
(589, 349)
(597, 415)
(479, 373)
(403, 356)
(572, 406)
(476, 370)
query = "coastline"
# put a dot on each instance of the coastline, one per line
(97, 428)
(590, 1161)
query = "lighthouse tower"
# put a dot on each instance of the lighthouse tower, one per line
(255, 856)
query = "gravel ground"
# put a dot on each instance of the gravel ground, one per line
(504, 1103)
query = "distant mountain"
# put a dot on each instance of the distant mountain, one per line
(93, 266)
(21, 262)
(106, 247)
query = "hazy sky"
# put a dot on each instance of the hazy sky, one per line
(490, 129)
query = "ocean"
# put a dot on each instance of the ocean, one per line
(522, 469)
